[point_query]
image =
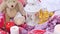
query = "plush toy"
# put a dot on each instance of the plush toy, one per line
(10, 8)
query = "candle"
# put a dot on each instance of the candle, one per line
(57, 29)
(14, 30)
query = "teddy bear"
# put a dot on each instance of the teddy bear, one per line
(11, 8)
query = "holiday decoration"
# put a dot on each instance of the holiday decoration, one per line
(9, 25)
(44, 15)
(2, 20)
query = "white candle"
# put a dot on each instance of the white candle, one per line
(57, 29)
(14, 30)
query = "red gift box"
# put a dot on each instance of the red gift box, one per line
(2, 19)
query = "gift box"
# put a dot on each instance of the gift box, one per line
(2, 19)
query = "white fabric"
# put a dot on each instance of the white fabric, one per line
(31, 8)
(30, 1)
(51, 5)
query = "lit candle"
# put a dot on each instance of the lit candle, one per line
(57, 29)
(14, 30)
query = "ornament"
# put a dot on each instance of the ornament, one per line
(44, 16)
(9, 25)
